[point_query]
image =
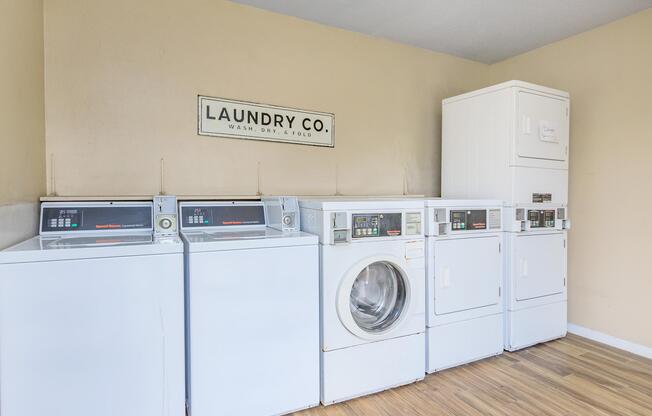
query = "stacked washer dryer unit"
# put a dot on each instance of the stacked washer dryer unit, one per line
(91, 313)
(510, 142)
(464, 272)
(372, 293)
(252, 308)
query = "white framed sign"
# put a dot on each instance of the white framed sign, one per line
(251, 121)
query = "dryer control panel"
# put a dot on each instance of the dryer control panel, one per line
(456, 218)
(222, 214)
(544, 218)
(463, 220)
(530, 218)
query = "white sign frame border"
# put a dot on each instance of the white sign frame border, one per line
(200, 132)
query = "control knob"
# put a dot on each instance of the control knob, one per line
(287, 220)
(165, 223)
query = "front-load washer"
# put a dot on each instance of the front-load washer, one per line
(464, 278)
(372, 293)
(535, 274)
(252, 311)
(92, 315)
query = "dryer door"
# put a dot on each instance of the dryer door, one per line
(540, 265)
(467, 274)
(542, 127)
(374, 299)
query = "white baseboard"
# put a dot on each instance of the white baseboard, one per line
(18, 222)
(622, 344)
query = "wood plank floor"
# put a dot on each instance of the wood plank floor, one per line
(571, 376)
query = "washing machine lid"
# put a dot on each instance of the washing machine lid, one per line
(264, 237)
(89, 246)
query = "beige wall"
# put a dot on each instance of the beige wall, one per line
(22, 144)
(121, 85)
(122, 79)
(608, 72)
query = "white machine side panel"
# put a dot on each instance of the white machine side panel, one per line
(312, 221)
(531, 326)
(539, 265)
(462, 342)
(476, 137)
(542, 131)
(467, 274)
(254, 324)
(99, 337)
(368, 368)
(528, 181)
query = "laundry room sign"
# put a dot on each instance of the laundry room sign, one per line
(251, 121)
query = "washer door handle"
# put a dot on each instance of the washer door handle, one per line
(524, 271)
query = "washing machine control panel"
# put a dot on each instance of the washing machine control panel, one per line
(222, 215)
(377, 225)
(541, 218)
(99, 217)
(165, 215)
(283, 213)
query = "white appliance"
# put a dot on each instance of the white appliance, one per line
(510, 142)
(464, 272)
(536, 295)
(252, 312)
(372, 293)
(282, 212)
(92, 315)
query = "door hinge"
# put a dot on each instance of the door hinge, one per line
(564, 243)
(499, 247)
(567, 111)
(499, 291)
(564, 282)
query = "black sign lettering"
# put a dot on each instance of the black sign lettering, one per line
(278, 120)
(242, 115)
(252, 117)
(208, 113)
(224, 115)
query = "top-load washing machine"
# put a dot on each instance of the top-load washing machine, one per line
(372, 293)
(252, 309)
(92, 315)
(464, 278)
(535, 274)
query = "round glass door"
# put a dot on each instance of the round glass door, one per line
(377, 297)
